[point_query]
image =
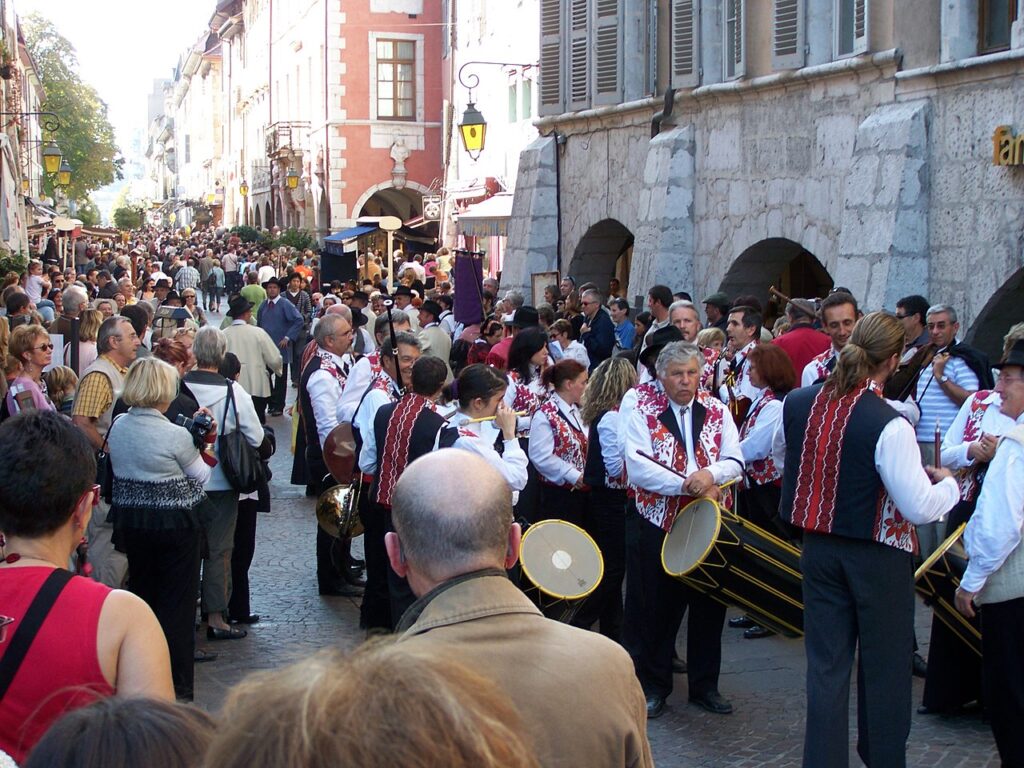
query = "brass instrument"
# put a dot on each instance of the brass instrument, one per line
(337, 510)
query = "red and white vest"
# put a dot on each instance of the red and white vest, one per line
(570, 443)
(968, 481)
(759, 471)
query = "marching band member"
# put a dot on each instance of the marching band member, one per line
(696, 438)
(558, 444)
(852, 479)
(363, 371)
(993, 584)
(375, 611)
(683, 315)
(484, 425)
(527, 359)
(605, 473)
(744, 331)
(839, 315)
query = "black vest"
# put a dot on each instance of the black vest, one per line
(313, 450)
(859, 483)
(424, 432)
(593, 469)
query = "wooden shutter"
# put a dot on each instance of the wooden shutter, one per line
(685, 44)
(735, 39)
(860, 26)
(579, 55)
(607, 52)
(787, 34)
(552, 97)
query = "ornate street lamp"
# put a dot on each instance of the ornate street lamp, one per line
(292, 178)
(473, 128)
(64, 174)
(51, 158)
(243, 188)
(25, 186)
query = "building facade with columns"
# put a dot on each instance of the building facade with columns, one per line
(732, 145)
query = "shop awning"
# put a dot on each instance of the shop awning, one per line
(488, 218)
(350, 234)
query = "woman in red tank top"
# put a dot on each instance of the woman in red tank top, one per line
(91, 641)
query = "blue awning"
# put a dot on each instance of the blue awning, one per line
(350, 234)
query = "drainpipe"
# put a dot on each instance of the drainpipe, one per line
(665, 113)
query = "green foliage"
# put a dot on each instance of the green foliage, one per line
(13, 262)
(88, 214)
(86, 136)
(250, 235)
(128, 218)
(300, 239)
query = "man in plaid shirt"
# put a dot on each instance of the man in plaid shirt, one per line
(187, 277)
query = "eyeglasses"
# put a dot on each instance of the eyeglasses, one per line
(42, 347)
(1007, 379)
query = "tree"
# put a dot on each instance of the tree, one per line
(128, 218)
(86, 136)
(88, 213)
(299, 239)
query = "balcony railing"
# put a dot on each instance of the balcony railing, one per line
(286, 137)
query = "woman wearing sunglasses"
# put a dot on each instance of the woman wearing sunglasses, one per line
(31, 346)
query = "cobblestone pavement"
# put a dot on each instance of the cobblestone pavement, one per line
(763, 678)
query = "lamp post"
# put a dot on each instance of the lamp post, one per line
(473, 127)
(52, 157)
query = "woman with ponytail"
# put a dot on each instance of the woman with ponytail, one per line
(852, 480)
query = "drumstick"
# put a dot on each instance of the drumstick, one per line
(676, 472)
(492, 418)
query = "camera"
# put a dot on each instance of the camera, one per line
(198, 426)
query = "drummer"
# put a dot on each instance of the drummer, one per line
(696, 439)
(852, 479)
(558, 444)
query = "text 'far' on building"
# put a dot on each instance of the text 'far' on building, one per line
(732, 145)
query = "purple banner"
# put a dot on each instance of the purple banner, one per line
(468, 278)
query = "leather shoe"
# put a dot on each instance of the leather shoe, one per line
(713, 702)
(756, 632)
(353, 576)
(231, 633)
(678, 665)
(355, 562)
(741, 622)
(655, 707)
(920, 665)
(252, 618)
(340, 590)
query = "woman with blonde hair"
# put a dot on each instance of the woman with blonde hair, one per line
(605, 515)
(853, 481)
(30, 345)
(383, 705)
(159, 475)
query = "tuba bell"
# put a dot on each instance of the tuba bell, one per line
(337, 510)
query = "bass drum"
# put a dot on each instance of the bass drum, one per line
(937, 581)
(563, 564)
(737, 563)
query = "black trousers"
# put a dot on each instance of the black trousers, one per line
(164, 571)
(375, 611)
(332, 554)
(857, 594)
(260, 404)
(280, 386)
(605, 520)
(241, 558)
(655, 605)
(1002, 627)
(561, 504)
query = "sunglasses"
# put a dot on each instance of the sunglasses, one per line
(41, 347)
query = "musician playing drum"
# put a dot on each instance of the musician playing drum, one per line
(852, 479)
(994, 578)
(697, 438)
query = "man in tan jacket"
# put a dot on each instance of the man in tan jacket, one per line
(256, 352)
(575, 690)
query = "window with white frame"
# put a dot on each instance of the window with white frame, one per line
(396, 79)
(851, 26)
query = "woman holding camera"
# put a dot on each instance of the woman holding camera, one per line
(159, 475)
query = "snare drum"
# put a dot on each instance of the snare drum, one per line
(737, 563)
(937, 581)
(564, 565)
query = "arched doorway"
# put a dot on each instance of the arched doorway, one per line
(1005, 308)
(404, 203)
(778, 262)
(604, 252)
(257, 221)
(268, 219)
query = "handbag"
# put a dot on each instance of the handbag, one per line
(104, 471)
(239, 460)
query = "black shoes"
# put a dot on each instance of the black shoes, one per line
(231, 633)
(200, 656)
(741, 622)
(340, 590)
(920, 666)
(655, 707)
(678, 665)
(756, 632)
(353, 576)
(712, 701)
(275, 412)
(252, 618)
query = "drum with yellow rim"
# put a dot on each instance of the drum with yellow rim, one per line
(737, 563)
(937, 581)
(564, 565)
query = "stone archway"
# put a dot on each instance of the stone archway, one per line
(257, 221)
(1005, 308)
(387, 200)
(778, 262)
(604, 252)
(268, 219)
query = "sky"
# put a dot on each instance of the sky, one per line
(123, 45)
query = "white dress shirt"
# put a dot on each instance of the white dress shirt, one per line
(898, 462)
(757, 443)
(995, 529)
(512, 461)
(645, 474)
(613, 444)
(542, 445)
(363, 420)
(358, 380)
(575, 351)
(994, 422)
(324, 392)
(743, 386)
(812, 371)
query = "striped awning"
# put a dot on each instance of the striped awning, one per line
(488, 218)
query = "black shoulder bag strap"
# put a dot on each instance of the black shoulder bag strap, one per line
(30, 626)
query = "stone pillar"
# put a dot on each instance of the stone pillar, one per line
(664, 238)
(533, 227)
(883, 243)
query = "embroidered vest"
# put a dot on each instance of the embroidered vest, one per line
(970, 481)
(759, 471)
(707, 376)
(823, 364)
(525, 399)
(570, 443)
(404, 431)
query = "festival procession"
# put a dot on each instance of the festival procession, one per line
(550, 383)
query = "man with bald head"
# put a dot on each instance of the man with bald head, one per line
(575, 690)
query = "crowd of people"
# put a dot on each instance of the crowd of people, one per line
(863, 440)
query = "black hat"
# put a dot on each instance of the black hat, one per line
(238, 305)
(403, 290)
(1014, 357)
(432, 307)
(358, 318)
(525, 317)
(361, 296)
(162, 284)
(719, 300)
(659, 339)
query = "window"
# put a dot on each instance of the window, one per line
(396, 79)
(513, 103)
(733, 44)
(527, 99)
(787, 34)
(851, 27)
(994, 20)
(685, 48)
